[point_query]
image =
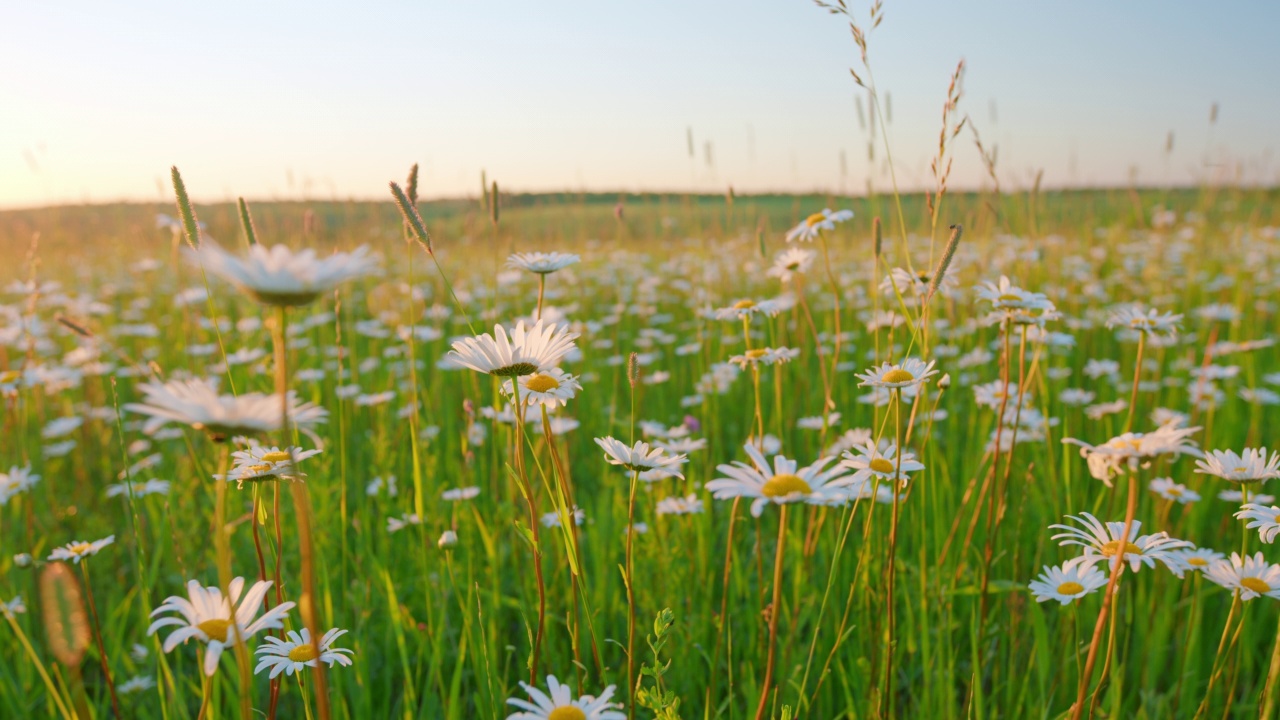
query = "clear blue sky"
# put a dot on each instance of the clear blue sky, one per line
(323, 99)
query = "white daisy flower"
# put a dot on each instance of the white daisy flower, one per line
(764, 356)
(138, 683)
(280, 276)
(1167, 489)
(207, 616)
(16, 606)
(747, 307)
(1252, 576)
(1067, 582)
(542, 263)
(261, 462)
(917, 283)
(812, 226)
(525, 352)
(1151, 322)
(560, 705)
(79, 550)
(15, 482)
(871, 462)
(1196, 559)
(464, 493)
(908, 373)
(552, 519)
(1004, 295)
(1103, 542)
(781, 483)
(198, 404)
(688, 505)
(552, 387)
(1131, 450)
(1250, 466)
(1237, 497)
(296, 652)
(1266, 518)
(640, 457)
(791, 262)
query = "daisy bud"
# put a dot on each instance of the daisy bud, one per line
(944, 382)
(447, 540)
(22, 560)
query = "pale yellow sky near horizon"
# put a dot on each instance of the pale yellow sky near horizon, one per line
(328, 101)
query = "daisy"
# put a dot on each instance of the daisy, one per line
(448, 539)
(79, 550)
(464, 493)
(1237, 497)
(908, 373)
(207, 616)
(525, 352)
(917, 282)
(552, 387)
(260, 462)
(542, 263)
(745, 308)
(683, 445)
(198, 404)
(783, 483)
(688, 505)
(1103, 541)
(1131, 450)
(1250, 466)
(1004, 295)
(150, 487)
(1196, 559)
(560, 705)
(16, 606)
(1151, 322)
(871, 463)
(812, 226)
(138, 683)
(15, 482)
(764, 356)
(1265, 518)
(280, 276)
(292, 654)
(791, 262)
(1251, 576)
(552, 519)
(402, 522)
(1069, 581)
(1167, 489)
(640, 458)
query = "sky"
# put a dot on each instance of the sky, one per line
(326, 100)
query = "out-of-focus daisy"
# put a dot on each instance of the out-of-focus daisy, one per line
(1252, 465)
(16, 606)
(1167, 489)
(137, 683)
(552, 519)
(688, 505)
(1004, 295)
(296, 651)
(525, 352)
(1130, 450)
(812, 226)
(198, 404)
(640, 457)
(1266, 518)
(550, 387)
(1237, 497)
(559, 704)
(208, 617)
(542, 263)
(816, 422)
(745, 308)
(463, 493)
(400, 523)
(1067, 582)
(1151, 322)
(79, 550)
(448, 539)
(142, 489)
(280, 276)
(908, 373)
(1196, 559)
(780, 483)
(1251, 575)
(260, 462)
(15, 482)
(917, 282)
(764, 356)
(1103, 542)
(790, 262)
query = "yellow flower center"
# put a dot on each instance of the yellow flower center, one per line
(1070, 588)
(784, 485)
(814, 219)
(1256, 585)
(216, 629)
(744, 304)
(757, 353)
(1109, 549)
(541, 383)
(1197, 562)
(897, 376)
(79, 548)
(1176, 492)
(567, 712)
(303, 653)
(1241, 470)
(15, 484)
(256, 469)
(881, 465)
(1009, 297)
(276, 457)
(8, 376)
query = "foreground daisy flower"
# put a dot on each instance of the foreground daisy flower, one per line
(1167, 489)
(870, 462)
(1197, 559)
(259, 463)
(280, 276)
(552, 387)
(1067, 582)
(1265, 518)
(783, 483)
(542, 263)
(1250, 466)
(1131, 450)
(525, 352)
(198, 404)
(296, 652)
(908, 373)
(79, 550)
(1252, 576)
(641, 458)
(1103, 542)
(560, 705)
(812, 226)
(207, 617)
